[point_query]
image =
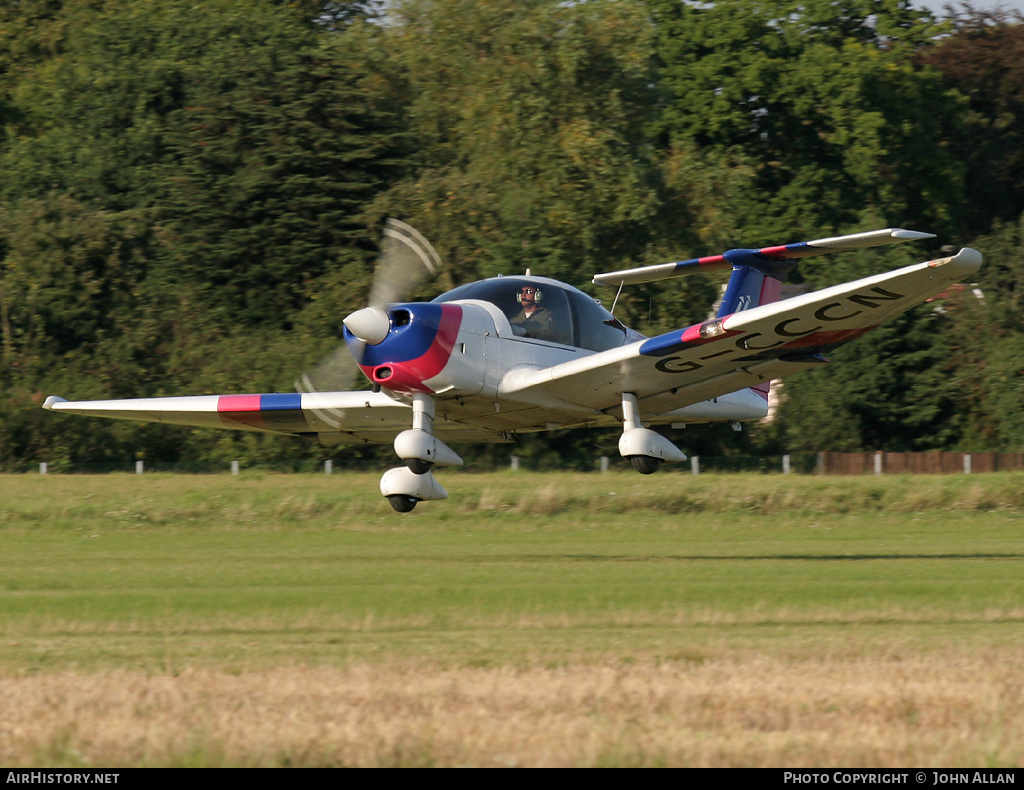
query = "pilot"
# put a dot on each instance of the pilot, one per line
(533, 320)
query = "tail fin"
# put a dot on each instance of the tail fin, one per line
(756, 279)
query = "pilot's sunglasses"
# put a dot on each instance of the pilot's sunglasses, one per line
(527, 290)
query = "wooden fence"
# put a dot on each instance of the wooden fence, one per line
(931, 463)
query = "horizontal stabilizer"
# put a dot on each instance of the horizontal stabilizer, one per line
(764, 257)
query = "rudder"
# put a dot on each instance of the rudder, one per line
(756, 280)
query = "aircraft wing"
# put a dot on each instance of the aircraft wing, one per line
(348, 417)
(332, 417)
(736, 351)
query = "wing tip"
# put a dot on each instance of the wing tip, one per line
(969, 259)
(910, 235)
(53, 400)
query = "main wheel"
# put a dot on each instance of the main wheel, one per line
(418, 466)
(402, 503)
(645, 464)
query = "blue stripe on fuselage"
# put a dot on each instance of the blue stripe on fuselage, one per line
(403, 343)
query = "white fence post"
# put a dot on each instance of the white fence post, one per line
(42, 468)
(695, 464)
(515, 462)
(328, 466)
(967, 463)
(878, 463)
(604, 463)
(234, 467)
(139, 467)
(785, 465)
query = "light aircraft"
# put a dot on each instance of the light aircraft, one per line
(507, 355)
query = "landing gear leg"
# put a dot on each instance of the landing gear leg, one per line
(406, 485)
(419, 448)
(644, 448)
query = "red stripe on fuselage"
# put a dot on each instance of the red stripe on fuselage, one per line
(409, 376)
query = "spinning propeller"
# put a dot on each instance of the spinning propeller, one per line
(406, 261)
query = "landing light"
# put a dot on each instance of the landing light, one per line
(712, 329)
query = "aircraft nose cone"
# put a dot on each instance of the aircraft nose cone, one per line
(371, 325)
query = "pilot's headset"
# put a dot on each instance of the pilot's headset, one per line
(537, 293)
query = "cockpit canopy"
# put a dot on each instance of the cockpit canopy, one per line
(559, 313)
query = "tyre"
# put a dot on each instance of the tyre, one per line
(645, 464)
(402, 503)
(418, 466)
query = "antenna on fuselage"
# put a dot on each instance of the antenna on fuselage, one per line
(615, 301)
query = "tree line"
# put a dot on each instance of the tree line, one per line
(191, 195)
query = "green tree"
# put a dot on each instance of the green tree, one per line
(68, 274)
(532, 118)
(818, 105)
(983, 60)
(252, 144)
(988, 336)
(178, 190)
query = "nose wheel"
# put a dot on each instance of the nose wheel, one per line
(420, 450)
(401, 503)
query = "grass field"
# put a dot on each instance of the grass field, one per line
(557, 619)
